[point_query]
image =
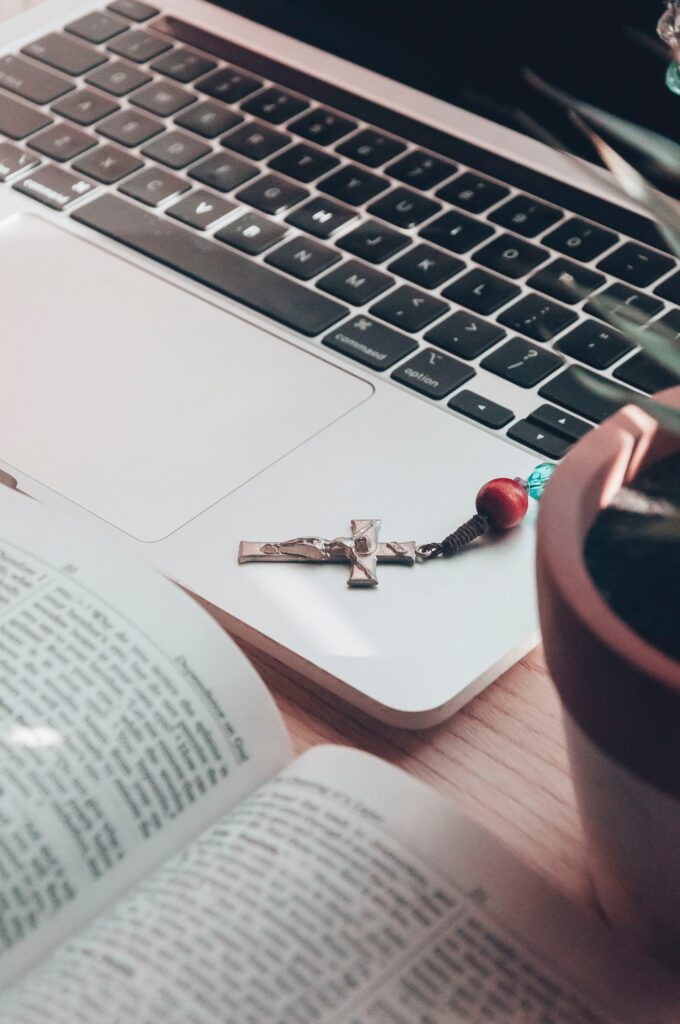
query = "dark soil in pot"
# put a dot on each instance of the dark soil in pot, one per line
(633, 555)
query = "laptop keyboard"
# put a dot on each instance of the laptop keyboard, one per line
(447, 273)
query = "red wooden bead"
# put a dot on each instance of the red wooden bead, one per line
(504, 502)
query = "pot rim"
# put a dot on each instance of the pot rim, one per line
(583, 483)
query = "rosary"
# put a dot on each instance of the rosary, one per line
(501, 504)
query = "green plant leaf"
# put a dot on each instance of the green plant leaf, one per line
(664, 152)
(651, 339)
(661, 208)
(665, 415)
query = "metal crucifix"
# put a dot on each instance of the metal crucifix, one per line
(362, 550)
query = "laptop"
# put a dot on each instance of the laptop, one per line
(257, 284)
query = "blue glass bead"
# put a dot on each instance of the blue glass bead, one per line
(673, 78)
(539, 478)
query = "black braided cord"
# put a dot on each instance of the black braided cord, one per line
(456, 541)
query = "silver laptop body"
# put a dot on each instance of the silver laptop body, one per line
(187, 364)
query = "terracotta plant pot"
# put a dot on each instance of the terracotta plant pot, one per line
(620, 695)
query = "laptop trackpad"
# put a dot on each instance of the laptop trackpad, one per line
(135, 399)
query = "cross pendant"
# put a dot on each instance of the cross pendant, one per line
(361, 550)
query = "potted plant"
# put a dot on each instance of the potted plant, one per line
(608, 574)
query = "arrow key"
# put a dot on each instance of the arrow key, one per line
(560, 422)
(540, 439)
(481, 409)
(201, 209)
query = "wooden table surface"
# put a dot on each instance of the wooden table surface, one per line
(501, 759)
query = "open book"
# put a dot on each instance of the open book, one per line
(164, 861)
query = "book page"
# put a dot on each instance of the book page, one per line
(344, 892)
(129, 722)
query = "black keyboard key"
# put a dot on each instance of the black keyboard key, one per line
(623, 303)
(183, 65)
(255, 140)
(560, 422)
(85, 106)
(272, 194)
(481, 409)
(64, 53)
(135, 10)
(511, 256)
(518, 174)
(355, 282)
(176, 150)
(13, 160)
(525, 216)
(17, 121)
(208, 119)
(371, 148)
(595, 344)
(223, 171)
(568, 390)
(130, 128)
(668, 326)
(404, 208)
(321, 217)
(353, 185)
(645, 373)
(433, 374)
(118, 78)
(213, 265)
(373, 241)
(303, 258)
(153, 186)
(370, 342)
(539, 438)
(275, 105)
(138, 46)
(252, 233)
(32, 82)
(322, 126)
(62, 142)
(54, 187)
(464, 334)
(201, 209)
(670, 289)
(304, 163)
(537, 317)
(97, 27)
(566, 281)
(426, 266)
(108, 164)
(580, 239)
(162, 98)
(482, 292)
(456, 232)
(229, 85)
(409, 308)
(473, 193)
(422, 170)
(636, 264)
(521, 363)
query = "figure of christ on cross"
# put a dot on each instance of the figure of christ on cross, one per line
(362, 550)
